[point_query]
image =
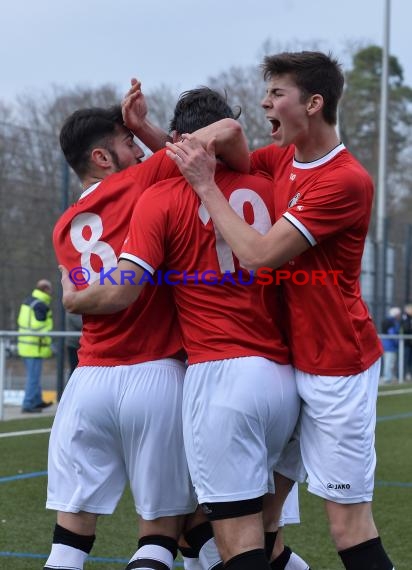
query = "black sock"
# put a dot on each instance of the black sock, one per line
(154, 551)
(255, 559)
(63, 536)
(188, 552)
(270, 539)
(69, 550)
(199, 535)
(369, 555)
(160, 540)
(280, 562)
(198, 539)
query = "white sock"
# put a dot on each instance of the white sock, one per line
(153, 552)
(209, 556)
(63, 557)
(191, 563)
(296, 563)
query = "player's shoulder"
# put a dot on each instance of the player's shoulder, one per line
(259, 178)
(64, 220)
(272, 152)
(351, 175)
(116, 189)
(121, 181)
(174, 185)
(163, 195)
(273, 160)
(225, 175)
(157, 166)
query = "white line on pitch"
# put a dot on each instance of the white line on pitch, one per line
(395, 392)
(26, 432)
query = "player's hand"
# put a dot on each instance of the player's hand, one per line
(69, 290)
(196, 163)
(134, 106)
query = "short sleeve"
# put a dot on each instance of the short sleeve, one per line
(331, 205)
(270, 159)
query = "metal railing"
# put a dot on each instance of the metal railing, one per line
(7, 335)
(401, 352)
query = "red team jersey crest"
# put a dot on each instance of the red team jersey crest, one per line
(329, 201)
(87, 240)
(221, 316)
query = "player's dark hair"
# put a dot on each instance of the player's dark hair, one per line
(314, 72)
(85, 129)
(199, 108)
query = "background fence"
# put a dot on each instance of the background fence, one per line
(55, 372)
(56, 369)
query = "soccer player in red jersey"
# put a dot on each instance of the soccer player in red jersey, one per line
(240, 403)
(124, 377)
(323, 201)
(119, 419)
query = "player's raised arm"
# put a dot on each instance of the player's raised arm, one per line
(230, 140)
(134, 110)
(113, 292)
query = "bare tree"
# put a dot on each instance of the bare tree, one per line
(161, 102)
(31, 169)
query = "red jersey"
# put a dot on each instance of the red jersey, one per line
(329, 201)
(89, 236)
(220, 316)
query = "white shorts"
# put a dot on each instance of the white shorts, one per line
(337, 434)
(120, 424)
(290, 463)
(238, 415)
(290, 512)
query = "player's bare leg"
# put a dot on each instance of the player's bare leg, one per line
(75, 533)
(169, 526)
(240, 542)
(273, 503)
(281, 557)
(81, 523)
(73, 539)
(356, 537)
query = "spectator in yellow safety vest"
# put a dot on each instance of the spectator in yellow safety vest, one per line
(35, 316)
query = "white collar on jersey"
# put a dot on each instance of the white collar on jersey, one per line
(89, 190)
(319, 161)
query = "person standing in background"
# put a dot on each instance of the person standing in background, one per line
(406, 327)
(391, 325)
(35, 316)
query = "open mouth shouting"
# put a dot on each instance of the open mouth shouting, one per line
(275, 126)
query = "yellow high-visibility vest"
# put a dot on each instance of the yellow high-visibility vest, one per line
(35, 346)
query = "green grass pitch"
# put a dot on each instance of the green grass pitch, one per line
(26, 526)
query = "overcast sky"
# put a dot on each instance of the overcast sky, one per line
(179, 43)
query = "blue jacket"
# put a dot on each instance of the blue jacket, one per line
(391, 326)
